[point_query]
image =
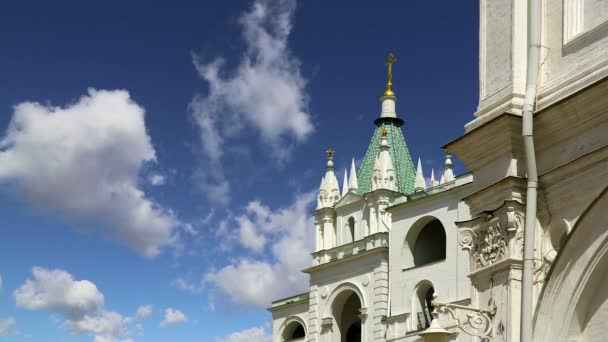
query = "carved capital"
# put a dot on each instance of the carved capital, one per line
(327, 323)
(493, 236)
(467, 239)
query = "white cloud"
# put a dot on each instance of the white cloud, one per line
(57, 291)
(99, 338)
(6, 326)
(83, 161)
(291, 231)
(184, 284)
(173, 316)
(144, 311)
(249, 236)
(107, 324)
(256, 334)
(157, 179)
(78, 301)
(265, 93)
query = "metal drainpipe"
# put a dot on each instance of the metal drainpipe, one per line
(534, 13)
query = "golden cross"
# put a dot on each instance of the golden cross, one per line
(389, 62)
(384, 133)
(391, 59)
(330, 153)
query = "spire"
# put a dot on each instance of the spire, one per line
(329, 192)
(353, 184)
(420, 182)
(448, 173)
(403, 168)
(389, 98)
(345, 184)
(433, 181)
(389, 85)
(383, 176)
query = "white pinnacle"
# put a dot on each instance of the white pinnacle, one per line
(383, 172)
(352, 181)
(433, 181)
(345, 184)
(448, 173)
(329, 192)
(420, 184)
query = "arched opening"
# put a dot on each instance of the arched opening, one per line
(576, 284)
(351, 228)
(422, 306)
(294, 331)
(425, 243)
(430, 244)
(346, 311)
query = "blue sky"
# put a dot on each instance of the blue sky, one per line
(158, 163)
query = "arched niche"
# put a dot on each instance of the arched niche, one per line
(422, 308)
(575, 289)
(425, 242)
(351, 229)
(293, 329)
(345, 307)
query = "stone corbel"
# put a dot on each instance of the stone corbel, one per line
(362, 314)
(327, 323)
(472, 321)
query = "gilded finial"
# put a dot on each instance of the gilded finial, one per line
(389, 85)
(384, 133)
(330, 153)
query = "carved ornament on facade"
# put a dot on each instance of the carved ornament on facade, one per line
(472, 321)
(327, 323)
(494, 238)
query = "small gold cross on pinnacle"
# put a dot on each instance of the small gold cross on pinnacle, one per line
(389, 86)
(330, 153)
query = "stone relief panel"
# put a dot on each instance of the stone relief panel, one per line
(493, 237)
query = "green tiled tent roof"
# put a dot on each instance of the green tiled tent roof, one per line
(400, 156)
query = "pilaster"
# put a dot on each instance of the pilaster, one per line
(494, 240)
(380, 300)
(313, 314)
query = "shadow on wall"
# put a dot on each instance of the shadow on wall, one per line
(425, 243)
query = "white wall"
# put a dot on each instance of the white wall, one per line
(448, 276)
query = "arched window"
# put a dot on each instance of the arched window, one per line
(351, 228)
(430, 244)
(425, 243)
(294, 331)
(422, 306)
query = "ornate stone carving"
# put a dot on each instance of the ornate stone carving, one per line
(472, 321)
(327, 324)
(491, 245)
(467, 239)
(493, 237)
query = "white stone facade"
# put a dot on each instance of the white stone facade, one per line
(381, 255)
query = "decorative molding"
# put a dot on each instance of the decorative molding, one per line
(493, 236)
(324, 292)
(474, 321)
(365, 280)
(327, 323)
